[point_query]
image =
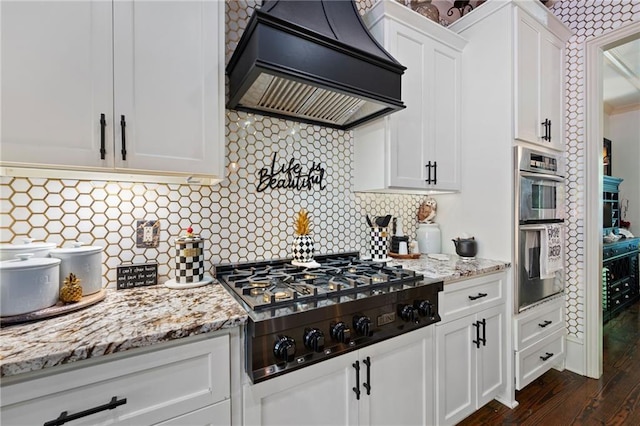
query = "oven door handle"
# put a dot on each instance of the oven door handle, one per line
(541, 176)
(538, 227)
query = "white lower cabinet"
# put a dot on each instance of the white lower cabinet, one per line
(180, 384)
(399, 375)
(539, 341)
(470, 348)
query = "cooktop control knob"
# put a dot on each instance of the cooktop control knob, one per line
(424, 307)
(340, 332)
(408, 313)
(362, 325)
(285, 348)
(314, 339)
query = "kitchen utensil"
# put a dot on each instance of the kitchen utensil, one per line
(28, 284)
(386, 220)
(9, 251)
(369, 221)
(85, 262)
(466, 247)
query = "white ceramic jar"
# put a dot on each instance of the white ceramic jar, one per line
(85, 262)
(428, 236)
(9, 251)
(28, 284)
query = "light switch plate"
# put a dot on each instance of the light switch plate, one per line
(147, 233)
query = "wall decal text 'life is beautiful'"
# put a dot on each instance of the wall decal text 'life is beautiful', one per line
(290, 175)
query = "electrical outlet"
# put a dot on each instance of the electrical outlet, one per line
(147, 233)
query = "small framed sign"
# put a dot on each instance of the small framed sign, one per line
(137, 275)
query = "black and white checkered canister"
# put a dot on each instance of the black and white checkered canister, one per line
(379, 242)
(189, 266)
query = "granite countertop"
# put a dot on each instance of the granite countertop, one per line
(124, 320)
(453, 268)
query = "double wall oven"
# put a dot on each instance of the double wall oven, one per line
(540, 233)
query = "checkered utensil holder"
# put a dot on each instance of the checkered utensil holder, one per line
(379, 242)
(189, 267)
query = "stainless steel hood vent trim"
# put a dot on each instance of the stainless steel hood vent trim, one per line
(307, 72)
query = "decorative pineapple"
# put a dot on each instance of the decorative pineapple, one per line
(71, 290)
(303, 242)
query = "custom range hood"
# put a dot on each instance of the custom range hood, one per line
(313, 62)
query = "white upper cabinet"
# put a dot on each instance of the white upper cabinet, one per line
(57, 80)
(539, 76)
(153, 71)
(416, 149)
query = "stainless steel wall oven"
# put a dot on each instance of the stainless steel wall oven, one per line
(540, 233)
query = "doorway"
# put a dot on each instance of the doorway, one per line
(594, 134)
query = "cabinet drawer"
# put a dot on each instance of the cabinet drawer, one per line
(537, 359)
(470, 296)
(213, 415)
(157, 385)
(538, 323)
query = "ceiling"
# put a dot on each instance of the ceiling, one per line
(621, 77)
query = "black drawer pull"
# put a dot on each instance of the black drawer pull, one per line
(479, 296)
(63, 417)
(545, 323)
(103, 124)
(477, 341)
(367, 384)
(546, 356)
(356, 389)
(123, 125)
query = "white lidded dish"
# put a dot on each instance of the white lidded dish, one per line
(85, 262)
(9, 251)
(28, 284)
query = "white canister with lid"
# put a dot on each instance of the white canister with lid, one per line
(85, 262)
(428, 236)
(9, 251)
(28, 284)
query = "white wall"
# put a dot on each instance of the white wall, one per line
(624, 131)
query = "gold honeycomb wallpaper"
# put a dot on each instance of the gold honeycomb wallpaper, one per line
(238, 222)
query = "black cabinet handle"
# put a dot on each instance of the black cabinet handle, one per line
(484, 332)
(549, 135)
(63, 417)
(546, 356)
(435, 172)
(103, 124)
(367, 385)
(123, 124)
(479, 296)
(356, 389)
(547, 130)
(477, 341)
(544, 324)
(428, 166)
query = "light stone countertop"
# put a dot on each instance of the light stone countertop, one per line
(144, 316)
(125, 319)
(453, 268)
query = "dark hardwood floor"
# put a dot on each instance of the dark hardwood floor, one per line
(565, 398)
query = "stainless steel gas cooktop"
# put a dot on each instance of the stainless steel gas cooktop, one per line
(299, 316)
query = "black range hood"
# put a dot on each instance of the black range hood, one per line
(313, 62)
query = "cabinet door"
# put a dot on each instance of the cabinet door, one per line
(490, 356)
(552, 86)
(409, 127)
(319, 394)
(443, 135)
(56, 82)
(528, 124)
(168, 70)
(401, 380)
(455, 370)
(214, 415)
